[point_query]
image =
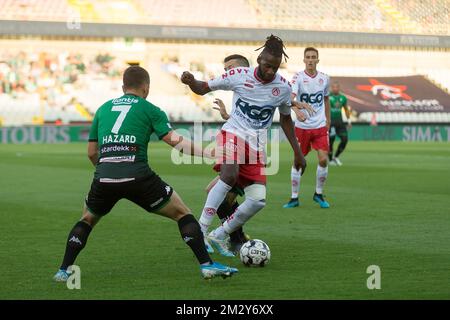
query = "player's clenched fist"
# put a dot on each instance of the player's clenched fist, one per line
(187, 78)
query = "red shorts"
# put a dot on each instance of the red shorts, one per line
(315, 138)
(251, 162)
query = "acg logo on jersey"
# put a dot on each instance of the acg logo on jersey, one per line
(312, 98)
(261, 114)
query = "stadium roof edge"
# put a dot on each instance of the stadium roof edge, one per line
(76, 29)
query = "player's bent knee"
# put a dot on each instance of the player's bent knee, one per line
(89, 218)
(256, 191)
(175, 209)
(174, 213)
(180, 211)
(180, 214)
(323, 163)
(256, 195)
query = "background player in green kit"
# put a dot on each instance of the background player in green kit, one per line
(117, 147)
(338, 127)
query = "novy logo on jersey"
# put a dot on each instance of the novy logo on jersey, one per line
(234, 71)
(256, 113)
(312, 98)
(276, 92)
(386, 91)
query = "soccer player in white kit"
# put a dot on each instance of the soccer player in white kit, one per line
(312, 87)
(258, 92)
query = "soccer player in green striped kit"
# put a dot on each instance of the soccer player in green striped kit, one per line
(117, 147)
(338, 127)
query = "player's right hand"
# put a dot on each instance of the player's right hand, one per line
(187, 78)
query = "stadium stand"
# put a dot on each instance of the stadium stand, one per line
(38, 87)
(67, 80)
(35, 10)
(60, 84)
(382, 16)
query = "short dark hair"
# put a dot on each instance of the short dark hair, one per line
(243, 60)
(274, 46)
(311, 49)
(135, 76)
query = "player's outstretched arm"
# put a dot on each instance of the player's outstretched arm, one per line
(184, 145)
(221, 107)
(93, 152)
(198, 87)
(288, 129)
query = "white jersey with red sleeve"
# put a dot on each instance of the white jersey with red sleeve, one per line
(312, 90)
(254, 103)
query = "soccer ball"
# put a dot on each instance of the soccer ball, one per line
(255, 253)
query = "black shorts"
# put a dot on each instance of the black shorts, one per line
(338, 130)
(151, 193)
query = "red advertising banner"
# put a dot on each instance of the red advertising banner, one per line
(393, 94)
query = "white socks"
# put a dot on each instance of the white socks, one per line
(295, 182)
(321, 177)
(243, 213)
(220, 233)
(215, 197)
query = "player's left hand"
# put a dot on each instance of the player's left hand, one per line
(299, 162)
(301, 116)
(305, 106)
(328, 125)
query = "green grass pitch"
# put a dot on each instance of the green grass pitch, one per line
(390, 207)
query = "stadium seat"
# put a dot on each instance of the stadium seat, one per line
(387, 16)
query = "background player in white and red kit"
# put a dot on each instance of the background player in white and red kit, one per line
(312, 87)
(258, 92)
